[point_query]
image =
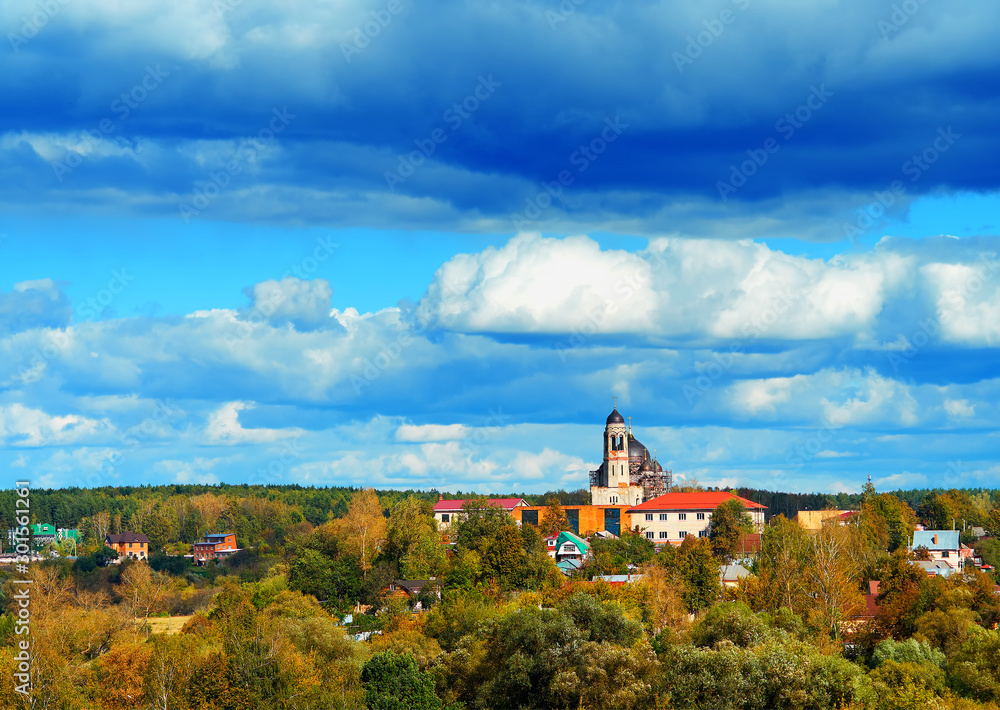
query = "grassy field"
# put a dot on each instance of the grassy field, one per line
(167, 624)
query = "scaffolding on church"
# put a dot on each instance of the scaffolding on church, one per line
(655, 483)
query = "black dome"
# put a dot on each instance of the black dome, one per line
(615, 417)
(636, 451)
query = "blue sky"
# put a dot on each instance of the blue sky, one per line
(379, 243)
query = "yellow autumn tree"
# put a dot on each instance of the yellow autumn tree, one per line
(555, 520)
(832, 575)
(364, 528)
(142, 589)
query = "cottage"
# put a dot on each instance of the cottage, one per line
(940, 545)
(215, 546)
(447, 512)
(570, 547)
(129, 544)
(730, 575)
(410, 589)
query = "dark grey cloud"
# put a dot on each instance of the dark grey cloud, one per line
(846, 92)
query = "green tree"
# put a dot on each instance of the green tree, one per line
(394, 682)
(157, 527)
(621, 555)
(600, 621)
(974, 670)
(480, 520)
(733, 622)
(311, 573)
(781, 566)
(503, 557)
(886, 521)
(413, 541)
(524, 652)
(700, 571)
(729, 521)
(105, 556)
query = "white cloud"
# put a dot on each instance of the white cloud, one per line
(875, 399)
(959, 408)
(828, 454)
(430, 432)
(533, 284)
(549, 465)
(900, 480)
(197, 471)
(968, 300)
(25, 426)
(224, 427)
(677, 287)
(757, 395)
(305, 304)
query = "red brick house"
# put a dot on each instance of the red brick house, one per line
(129, 544)
(215, 546)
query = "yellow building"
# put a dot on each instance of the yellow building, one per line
(813, 520)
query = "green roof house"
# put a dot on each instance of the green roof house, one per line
(570, 546)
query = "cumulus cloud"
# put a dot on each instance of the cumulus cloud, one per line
(224, 427)
(464, 390)
(34, 304)
(679, 288)
(304, 304)
(26, 426)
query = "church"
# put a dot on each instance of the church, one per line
(628, 475)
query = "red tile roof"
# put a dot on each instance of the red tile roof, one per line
(749, 542)
(699, 500)
(455, 505)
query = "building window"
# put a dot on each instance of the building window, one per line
(701, 516)
(663, 516)
(649, 536)
(445, 518)
(682, 534)
(649, 516)
(703, 533)
(663, 535)
(944, 554)
(682, 516)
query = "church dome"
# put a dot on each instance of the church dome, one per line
(636, 451)
(615, 417)
(646, 466)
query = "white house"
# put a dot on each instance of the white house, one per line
(670, 518)
(447, 512)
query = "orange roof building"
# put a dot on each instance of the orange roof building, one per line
(672, 517)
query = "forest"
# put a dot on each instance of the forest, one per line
(306, 615)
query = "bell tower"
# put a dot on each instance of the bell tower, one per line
(616, 450)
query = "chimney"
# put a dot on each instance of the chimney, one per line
(440, 497)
